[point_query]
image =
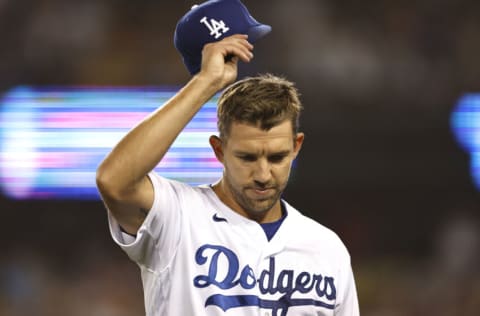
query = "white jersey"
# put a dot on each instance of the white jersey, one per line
(198, 257)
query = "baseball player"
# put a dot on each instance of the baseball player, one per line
(233, 247)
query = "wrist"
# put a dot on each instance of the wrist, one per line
(200, 89)
(211, 84)
(211, 81)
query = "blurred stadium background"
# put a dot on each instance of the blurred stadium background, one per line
(380, 166)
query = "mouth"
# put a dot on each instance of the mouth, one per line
(263, 192)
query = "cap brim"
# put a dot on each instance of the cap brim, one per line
(258, 31)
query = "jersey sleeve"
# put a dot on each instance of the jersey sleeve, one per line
(157, 239)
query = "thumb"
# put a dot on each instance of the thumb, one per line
(231, 59)
(231, 68)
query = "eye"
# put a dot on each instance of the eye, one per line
(277, 158)
(248, 158)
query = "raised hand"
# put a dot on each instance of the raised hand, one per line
(220, 59)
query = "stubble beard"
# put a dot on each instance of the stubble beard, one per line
(254, 207)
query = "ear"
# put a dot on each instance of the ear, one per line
(298, 141)
(217, 146)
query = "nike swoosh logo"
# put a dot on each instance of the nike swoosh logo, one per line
(218, 219)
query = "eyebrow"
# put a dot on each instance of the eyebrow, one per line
(246, 153)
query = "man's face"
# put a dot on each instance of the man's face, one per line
(257, 165)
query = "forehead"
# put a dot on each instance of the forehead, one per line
(249, 137)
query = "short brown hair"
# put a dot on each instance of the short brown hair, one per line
(265, 101)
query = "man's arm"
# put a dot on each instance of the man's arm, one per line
(122, 176)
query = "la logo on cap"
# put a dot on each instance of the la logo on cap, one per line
(217, 28)
(211, 21)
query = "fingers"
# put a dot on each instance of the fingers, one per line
(239, 46)
(236, 45)
(220, 59)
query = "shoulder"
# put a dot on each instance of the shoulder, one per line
(315, 235)
(177, 192)
(162, 183)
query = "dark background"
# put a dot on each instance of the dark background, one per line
(380, 165)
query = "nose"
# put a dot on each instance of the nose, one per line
(263, 172)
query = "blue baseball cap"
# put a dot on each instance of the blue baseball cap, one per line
(212, 21)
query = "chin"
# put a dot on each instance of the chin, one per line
(261, 208)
